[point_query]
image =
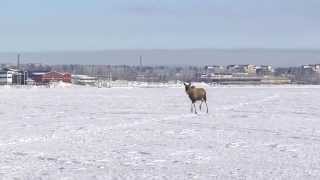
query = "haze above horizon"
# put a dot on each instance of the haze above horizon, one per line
(196, 57)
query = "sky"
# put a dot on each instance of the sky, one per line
(75, 25)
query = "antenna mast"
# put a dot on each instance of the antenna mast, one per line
(141, 62)
(18, 61)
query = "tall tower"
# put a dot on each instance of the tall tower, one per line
(18, 61)
(140, 61)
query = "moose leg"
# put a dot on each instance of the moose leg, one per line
(195, 108)
(207, 106)
(200, 105)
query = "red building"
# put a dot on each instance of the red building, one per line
(43, 78)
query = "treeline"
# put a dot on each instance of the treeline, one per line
(124, 72)
(302, 74)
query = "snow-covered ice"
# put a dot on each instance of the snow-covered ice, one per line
(144, 133)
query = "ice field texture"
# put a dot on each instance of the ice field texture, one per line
(149, 133)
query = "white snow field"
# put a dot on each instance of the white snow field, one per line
(149, 133)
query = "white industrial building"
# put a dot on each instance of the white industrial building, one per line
(84, 80)
(10, 76)
(6, 77)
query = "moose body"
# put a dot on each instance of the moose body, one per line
(196, 94)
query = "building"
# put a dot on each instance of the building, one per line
(10, 76)
(230, 79)
(316, 68)
(248, 69)
(215, 70)
(312, 68)
(243, 74)
(47, 77)
(264, 70)
(234, 68)
(6, 77)
(84, 80)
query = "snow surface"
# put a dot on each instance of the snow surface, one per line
(149, 133)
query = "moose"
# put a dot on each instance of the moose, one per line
(196, 94)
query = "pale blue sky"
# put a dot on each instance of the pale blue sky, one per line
(51, 25)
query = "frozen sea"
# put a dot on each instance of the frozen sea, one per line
(251, 132)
